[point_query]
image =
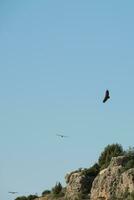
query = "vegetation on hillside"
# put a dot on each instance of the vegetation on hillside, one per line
(30, 197)
(110, 151)
(46, 192)
(130, 162)
(113, 150)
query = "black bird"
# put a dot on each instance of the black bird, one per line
(106, 96)
(13, 192)
(62, 136)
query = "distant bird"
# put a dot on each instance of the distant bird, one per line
(62, 136)
(13, 192)
(106, 96)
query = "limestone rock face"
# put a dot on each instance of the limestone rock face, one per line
(112, 182)
(78, 184)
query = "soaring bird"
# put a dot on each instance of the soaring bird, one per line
(62, 136)
(13, 192)
(106, 96)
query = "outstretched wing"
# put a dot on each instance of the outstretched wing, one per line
(62, 135)
(106, 96)
(13, 192)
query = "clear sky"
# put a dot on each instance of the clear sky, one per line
(57, 58)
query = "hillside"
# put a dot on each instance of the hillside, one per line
(112, 178)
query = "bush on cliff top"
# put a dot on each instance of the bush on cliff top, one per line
(45, 192)
(110, 151)
(57, 188)
(92, 171)
(30, 197)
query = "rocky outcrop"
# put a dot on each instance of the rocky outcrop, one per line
(78, 185)
(114, 181)
(110, 184)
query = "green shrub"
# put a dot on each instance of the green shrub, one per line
(110, 151)
(130, 159)
(45, 192)
(21, 198)
(57, 189)
(92, 171)
(32, 197)
(129, 164)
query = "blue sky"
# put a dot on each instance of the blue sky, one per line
(57, 59)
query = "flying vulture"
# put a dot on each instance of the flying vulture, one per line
(62, 136)
(106, 96)
(13, 192)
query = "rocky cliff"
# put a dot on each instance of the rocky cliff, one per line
(78, 185)
(116, 182)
